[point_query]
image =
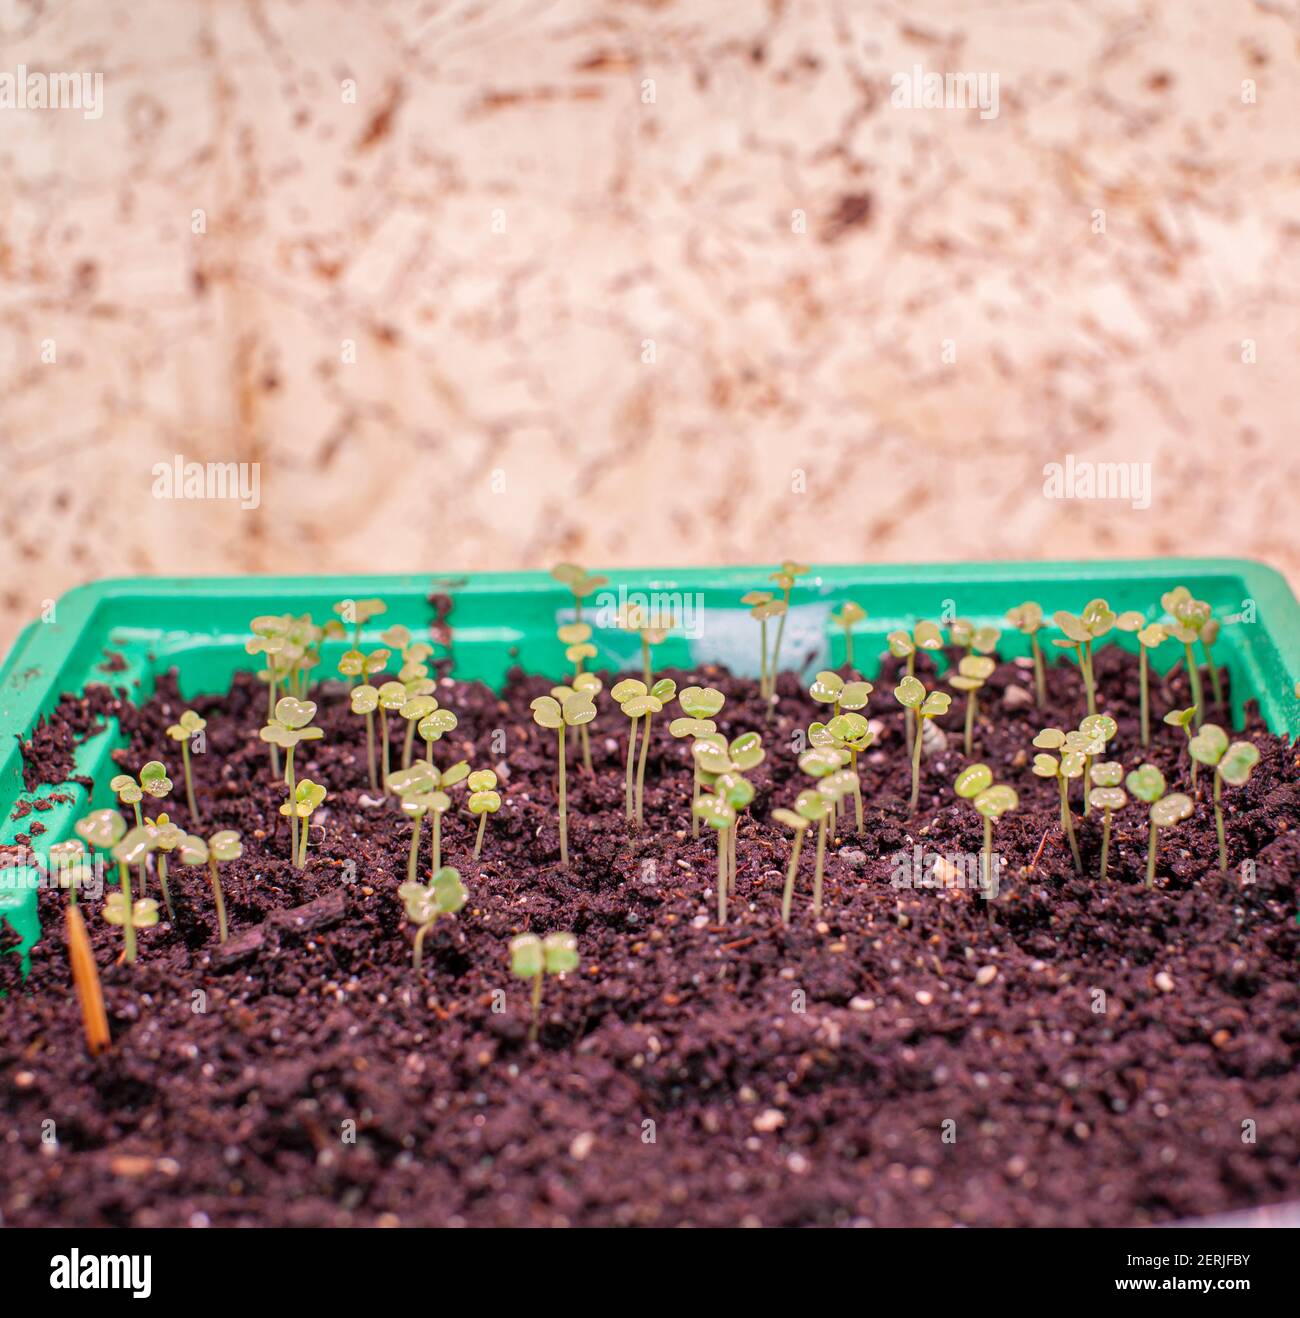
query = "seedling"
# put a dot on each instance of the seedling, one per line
(364, 699)
(355, 614)
(764, 606)
(1189, 618)
(966, 636)
(722, 769)
(796, 821)
(68, 861)
(532, 958)
(1027, 618)
(307, 795)
(1080, 634)
(268, 640)
(786, 576)
(1210, 634)
(218, 849)
(433, 727)
(633, 697)
(925, 636)
(633, 618)
(852, 733)
(1090, 741)
(290, 726)
(580, 582)
(391, 697)
(972, 672)
(1149, 637)
(183, 731)
(445, 895)
(1184, 718)
(576, 637)
(421, 790)
(484, 800)
(720, 815)
(579, 708)
(132, 849)
(912, 695)
(824, 764)
(848, 617)
(700, 704)
(154, 781)
(413, 709)
(1147, 783)
(831, 689)
(167, 837)
(1070, 765)
(991, 800)
(1107, 796)
(1232, 764)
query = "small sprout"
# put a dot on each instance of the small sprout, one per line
(763, 607)
(433, 727)
(1027, 618)
(532, 958)
(1184, 718)
(634, 618)
(1232, 764)
(848, 617)
(1107, 795)
(800, 825)
(356, 613)
(391, 697)
(1090, 741)
(1080, 633)
(576, 637)
(1190, 617)
(972, 672)
(633, 697)
(183, 731)
(785, 577)
(167, 837)
(413, 709)
(852, 733)
(577, 709)
(700, 704)
(68, 861)
(722, 769)
(144, 911)
(484, 800)
(664, 690)
(925, 636)
(445, 895)
(991, 801)
(307, 795)
(831, 689)
(153, 780)
(289, 727)
(912, 695)
(1070, 765)
(219, 848)
(825, 765)
(966, 636)
(1147, 783)
(580, 582)
(132, 849)
(101, 829)
(364, 699)
(1149, 636)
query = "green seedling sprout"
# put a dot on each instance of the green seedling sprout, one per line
(445, 895)
(577, 709)
(991, 801)
(831, 689)
(851, 732)
(1027, 618)
(391, 697)
(580, 582)
(154, 781)
(433, 727)
(1232, 764)
(785, 578)
(1210, 634)
(664, 690)
(268, 640)
(102, 830)
(972, 672)
(791, 819)
(364, 699)
(848, 617)
(1149, 636)
(183, 731)
(825, 765)
(1189, 618)
(218, 849)
(421, 790)
(1147, 783)
(1107, 796)
(1090, 741)
(576, 638)
(290, 726)
(532, 957)
(68, 860)
(1185, 718)
(1070, 765)
(633, 697)
(720, 815)
(356, 613)
(925, 636)
(727, 791)
(966, 636)
(912, 695)
(132, 849)
(763, 607)
(413, 709)
(633, 618)
(167, 837)
(699, 704)
(484, 800)
(307, 795)
(1080, 634)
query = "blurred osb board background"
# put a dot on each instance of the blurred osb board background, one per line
(522, 196)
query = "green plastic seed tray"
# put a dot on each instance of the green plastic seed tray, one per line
(199, 626)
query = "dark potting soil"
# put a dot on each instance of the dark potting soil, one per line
(1091, 1054)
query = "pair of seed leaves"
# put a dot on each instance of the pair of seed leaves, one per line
(356, 613)
(636, 700)
(926, 636)
(825, 764)
(530, 956)
(352, 663)
(576, 638)
(153, 779)
(579, 581)
(763, 605)
(186, 727)
(307, 795)
(851, 613)
(1107, 794)
(829, 688)
(701, 703)
(635, 618)
(423, 787)
(911, 693)
(289, 725)
(445, 895)
(1076, 747)
(972, 672)
(723, 766)
(962, 632)
(1191, 617)
(431, 720)
(1233, 762)
(574, 706)
(1027, 617)
(1095, 621)
(975, 784)
(844, 732)
(1147, 783)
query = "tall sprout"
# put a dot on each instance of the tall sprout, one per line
(793, 820)
(1080, 635)
(1209, 635)
(1147, 783)
(1150, 636)
(1027, 618)
(578, 708)
(355, 614)
(1090, 741)
(580, 582)
(903, 645)
(412, 710)
(1189, 617)
(786, 578)
(832, 781)
(484, 800)
(722, 767)
(763, 607)
(851, 732)
(412, 787)
(850, 614)
(289, 727)
(218, 849)
(119, 909)
(1232, 764)
(1185, 718)
(991, 801)
(912, 695)
(1069, 766)
(1108, 796)
(699, 704)
(532, 958)
(973, 671)
(364, 700)
(576, 638)
(184, 730)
